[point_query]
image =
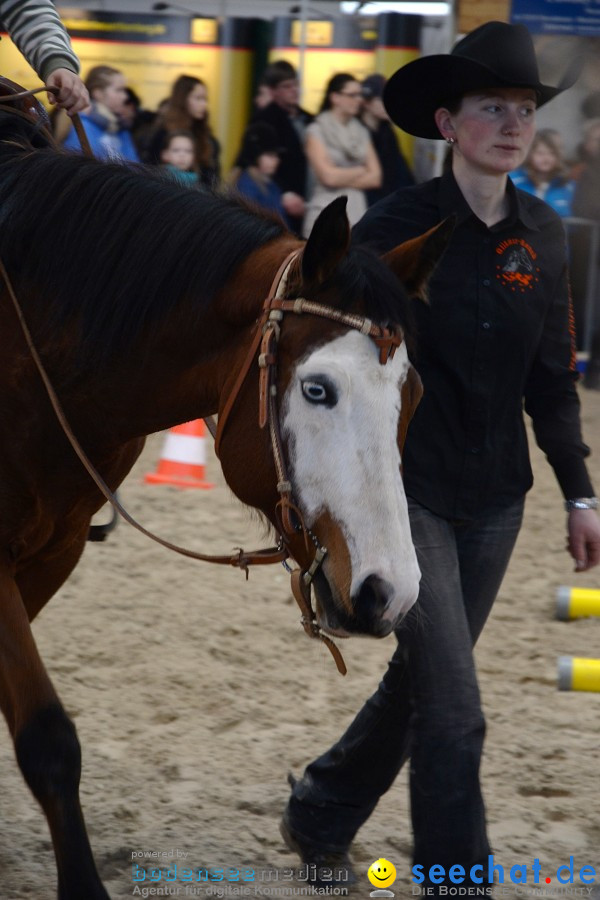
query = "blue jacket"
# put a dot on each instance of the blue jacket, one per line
(267, 195)
(117, 146)
(558, 194)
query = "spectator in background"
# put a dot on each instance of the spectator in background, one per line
(395, 172)
(589, 148)
(340, 152)
(289, 121)
(586, 203)
(130, 108)
(177, 157)
(263, 95)
(586, 160)
(258, 161)
(545, 173)
(139, 121)
(102, 122)
(187, 110)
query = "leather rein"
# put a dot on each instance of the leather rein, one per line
(22, 95)
(264, 343)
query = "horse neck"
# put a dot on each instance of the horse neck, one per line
(185, 372)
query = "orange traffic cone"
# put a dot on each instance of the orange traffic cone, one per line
(183, 457)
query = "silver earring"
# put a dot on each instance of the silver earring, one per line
(450, 140)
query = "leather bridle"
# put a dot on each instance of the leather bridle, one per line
(264, 348)
(265, 343)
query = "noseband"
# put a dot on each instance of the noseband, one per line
(266, 344)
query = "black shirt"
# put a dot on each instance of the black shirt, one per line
(497, 331)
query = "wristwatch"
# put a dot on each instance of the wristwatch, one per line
(582, 503)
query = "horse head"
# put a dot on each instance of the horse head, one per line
(343, 408)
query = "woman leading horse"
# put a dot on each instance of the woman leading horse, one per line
(497, 333)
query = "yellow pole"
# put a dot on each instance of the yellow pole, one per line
(576, 603)
(578, 674)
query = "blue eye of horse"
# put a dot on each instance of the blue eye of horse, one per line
(321, 392)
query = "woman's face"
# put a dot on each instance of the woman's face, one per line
(543, 159)
(347, 100)
(113, 95)
(493, 129)
(196, 102)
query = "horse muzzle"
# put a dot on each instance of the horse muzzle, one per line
(377, 608)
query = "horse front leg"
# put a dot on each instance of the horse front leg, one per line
(46, 746)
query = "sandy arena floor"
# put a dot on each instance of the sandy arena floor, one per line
(195, 692)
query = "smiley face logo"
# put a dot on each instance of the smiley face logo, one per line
(381, 873)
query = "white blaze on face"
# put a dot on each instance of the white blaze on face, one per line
(340, 417)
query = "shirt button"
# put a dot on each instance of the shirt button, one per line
(485, 325)
(486, 282)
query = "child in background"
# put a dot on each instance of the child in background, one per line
(545, 173)
(186, 109)
(177, 157)
(258, 161)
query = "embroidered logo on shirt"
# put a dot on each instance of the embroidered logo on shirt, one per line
(516, 268)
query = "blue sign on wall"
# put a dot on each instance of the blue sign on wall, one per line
(580, 17)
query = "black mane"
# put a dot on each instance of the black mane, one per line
(364, 282)
(117, 247)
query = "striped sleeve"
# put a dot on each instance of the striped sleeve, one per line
(36, 29)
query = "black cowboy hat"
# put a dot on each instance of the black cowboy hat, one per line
(494, 55)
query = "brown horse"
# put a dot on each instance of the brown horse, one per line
(142, 299)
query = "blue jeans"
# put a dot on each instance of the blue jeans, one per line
(427, 706)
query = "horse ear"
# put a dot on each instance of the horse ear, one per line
(328, 242)
(414, 261)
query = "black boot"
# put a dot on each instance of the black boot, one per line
(323, 865)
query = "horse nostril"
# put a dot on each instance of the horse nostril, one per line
(375, 592)
(371, 604)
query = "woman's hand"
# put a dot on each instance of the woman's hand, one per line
(583, 540)
(72, 93)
